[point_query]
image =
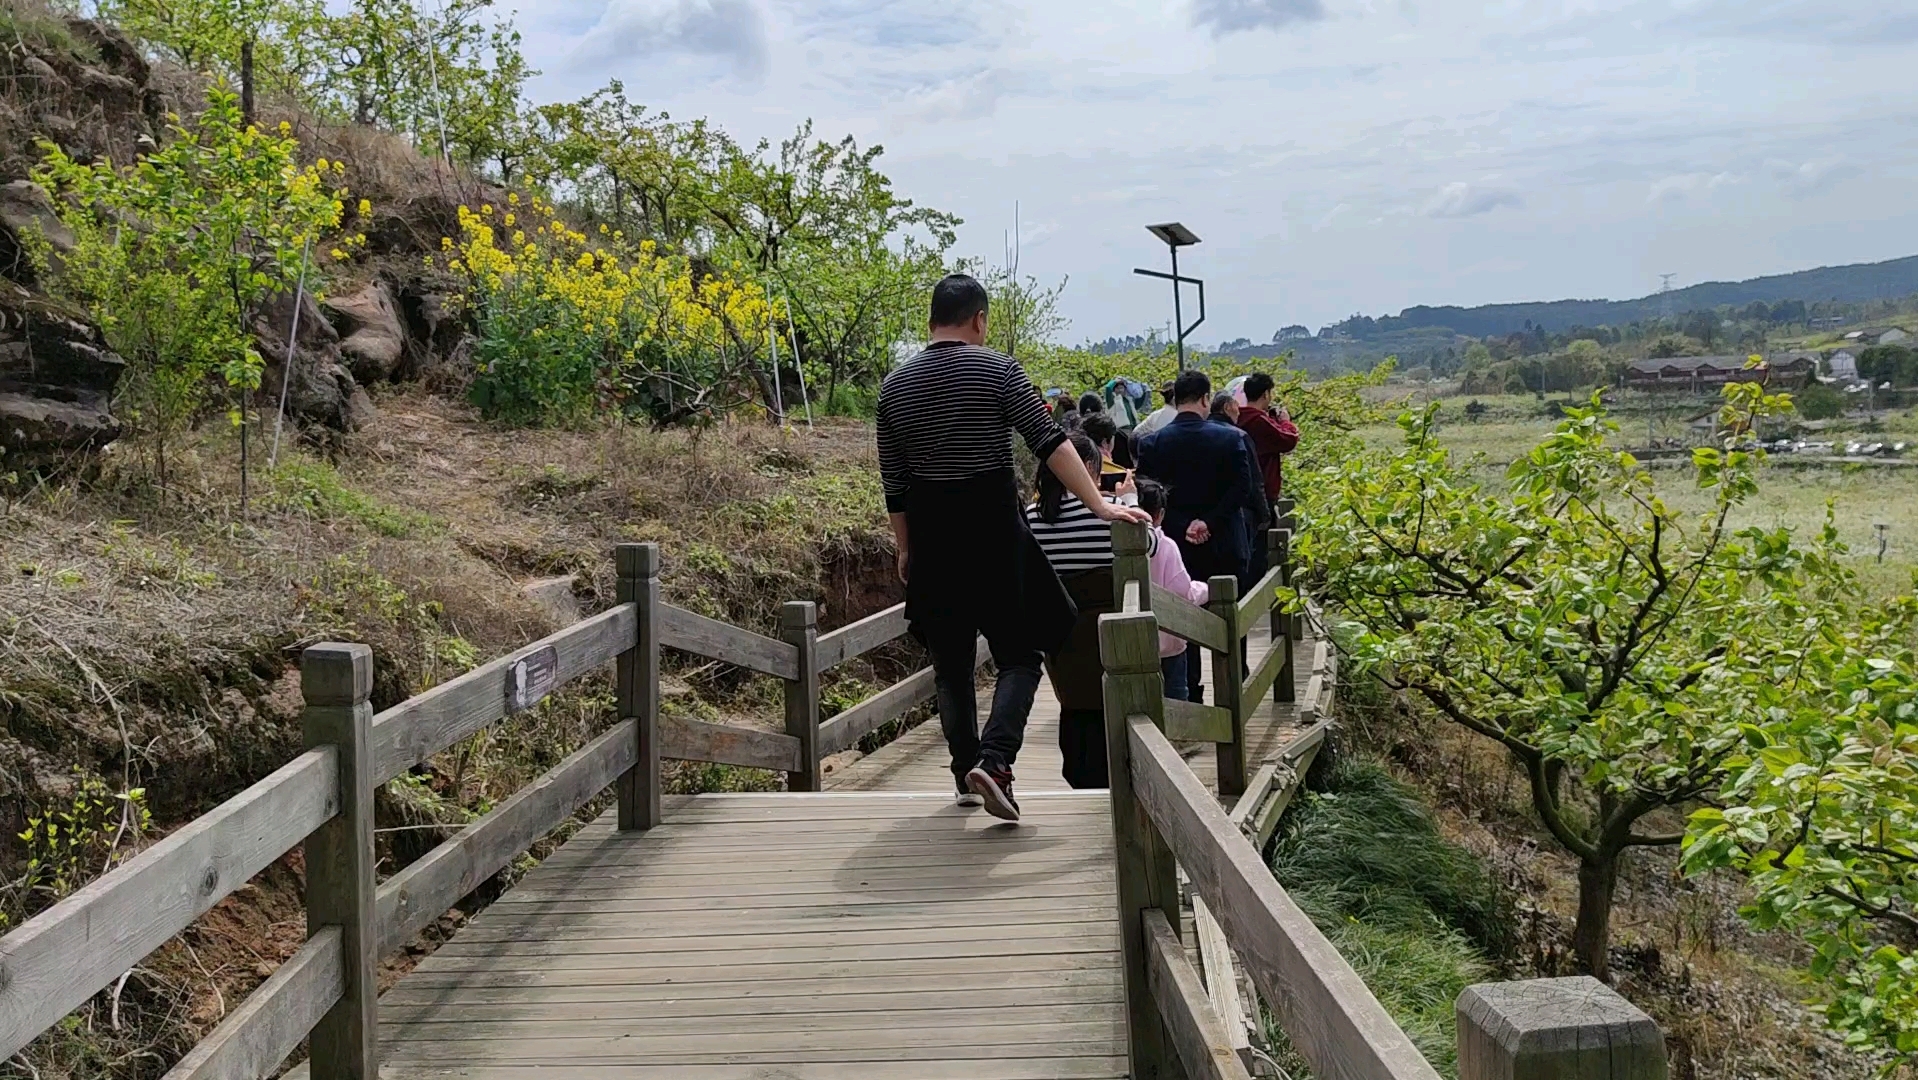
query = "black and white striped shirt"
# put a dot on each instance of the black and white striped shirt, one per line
(949, 414)
(1078, 540)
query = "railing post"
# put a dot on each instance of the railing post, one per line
(1147, 876)
(1279, 554)
(1228, 682)
(638, 685)
(336, 681)
(1130, 562)
(1544, 1029)
(799, 625)
(1285, 518)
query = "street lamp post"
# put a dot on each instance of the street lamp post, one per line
(1175, 237)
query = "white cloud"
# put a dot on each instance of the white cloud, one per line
(731, 30)
(1685, 185)
(1223, 17)
(1813, 177)
(1459, 199)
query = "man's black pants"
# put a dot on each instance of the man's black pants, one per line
(953, 651)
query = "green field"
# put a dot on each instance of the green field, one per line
(1792, 494)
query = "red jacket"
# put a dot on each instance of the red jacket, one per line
(1272, 438)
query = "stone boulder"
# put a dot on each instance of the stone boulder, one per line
(26, 209)
(320, 390)
(372, 336)
(57, 378)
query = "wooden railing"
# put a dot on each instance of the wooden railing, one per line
(323, 799)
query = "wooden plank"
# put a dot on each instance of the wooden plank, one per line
(1262, 679)
(336, 683)
(1297, 759)
(942, 1066)
(1327, 1011)
(1194, 1027)
(695, 633)
(857, 639)
(1189, 721)
(725, 744)
(1309, 708)
(1182, 618)
(262, 1031)
(887, 705)
(799, 627)
(1256, 791)
(636, 687)
(1221, 974)
(52, 963)
(410, 900)
(419, 727)
(1264, 594)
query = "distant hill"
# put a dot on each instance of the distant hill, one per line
(1857, 283)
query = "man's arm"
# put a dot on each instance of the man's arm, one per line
(899, 541)
(1269, 434)
(1065, 464)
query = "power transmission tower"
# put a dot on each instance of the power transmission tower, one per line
(1664, 292)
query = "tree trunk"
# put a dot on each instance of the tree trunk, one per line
(1592, 936)
(246, 81)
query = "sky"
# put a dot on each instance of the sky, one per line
(1334, 156)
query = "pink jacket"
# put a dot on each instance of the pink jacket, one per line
(1167, 570)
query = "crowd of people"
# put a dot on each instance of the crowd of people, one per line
(1034, 576)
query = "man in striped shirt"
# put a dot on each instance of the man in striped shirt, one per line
(971, 567)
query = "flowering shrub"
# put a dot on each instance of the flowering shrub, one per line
(571, 325)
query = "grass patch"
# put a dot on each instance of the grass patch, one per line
(1416, 916)
(316, 489)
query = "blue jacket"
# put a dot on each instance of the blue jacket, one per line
(1207, 475)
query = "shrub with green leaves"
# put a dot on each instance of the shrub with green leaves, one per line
(175, 253)
(1820, 809)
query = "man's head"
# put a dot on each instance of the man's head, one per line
(1258, 390)
(1100, 428)
(959, 305)
(1191, 388)
(1225, 407)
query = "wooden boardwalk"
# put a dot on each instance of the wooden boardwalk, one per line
(873, 930)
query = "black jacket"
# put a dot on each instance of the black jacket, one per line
(1205, 470)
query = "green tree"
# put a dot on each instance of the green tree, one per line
(175, 255)
(1820, 809)
(1601, 637)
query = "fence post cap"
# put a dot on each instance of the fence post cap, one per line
(336, 673)
(637, 560)
(1223, 587)
(1557, 1019)
(1129, 538)
(798, 614)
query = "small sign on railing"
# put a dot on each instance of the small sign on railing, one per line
(530, 678)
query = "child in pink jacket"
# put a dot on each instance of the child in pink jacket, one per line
(1168, 572)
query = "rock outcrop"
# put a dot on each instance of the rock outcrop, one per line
(372, 335)
(322, 390)
(26, 212)
(57, 378)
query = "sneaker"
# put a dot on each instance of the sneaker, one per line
(994, 786)
(967, 800)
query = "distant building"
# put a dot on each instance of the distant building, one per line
(1893, 336)
(1844, 366)
(1882, 335)
(1294, 332)
(1700, 374)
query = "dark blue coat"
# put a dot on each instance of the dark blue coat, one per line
(1207, 475)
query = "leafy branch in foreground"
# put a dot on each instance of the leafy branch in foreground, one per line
(1820, 809)
(1608, 642)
